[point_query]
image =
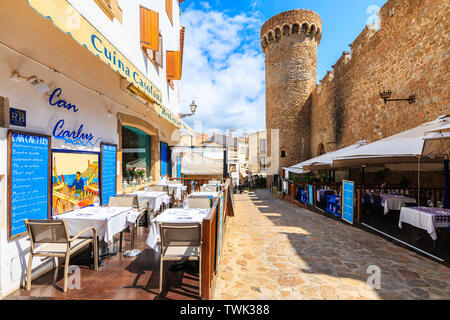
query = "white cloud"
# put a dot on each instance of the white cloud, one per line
(223, 70)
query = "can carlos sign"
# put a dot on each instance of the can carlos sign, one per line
(75, 137)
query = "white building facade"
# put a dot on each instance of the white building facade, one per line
(76, 76)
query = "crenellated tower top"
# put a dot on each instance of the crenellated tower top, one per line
(301, 22)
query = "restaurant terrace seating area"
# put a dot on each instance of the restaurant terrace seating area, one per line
(397, 187)
(162, 242)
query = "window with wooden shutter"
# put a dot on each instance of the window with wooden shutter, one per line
(110, 8)
(169, 9)
(149, 29)
(173, 65)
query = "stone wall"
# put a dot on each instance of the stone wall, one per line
(409, 54)
(290, 41)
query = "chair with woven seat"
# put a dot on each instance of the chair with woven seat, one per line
(51, 238)
(200, 203)
(130, 201)
(180, 242)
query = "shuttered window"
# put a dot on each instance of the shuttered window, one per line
(149, 29)
(173, 65)
(169, 9)
(110, 8)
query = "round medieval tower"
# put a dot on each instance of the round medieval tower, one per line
(289, 41)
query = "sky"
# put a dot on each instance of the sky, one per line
(223, 64)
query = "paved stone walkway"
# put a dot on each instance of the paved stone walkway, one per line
(275, 250)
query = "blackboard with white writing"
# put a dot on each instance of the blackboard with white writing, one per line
(28, 180)
(108, 172)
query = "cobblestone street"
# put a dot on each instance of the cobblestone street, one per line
(275, 250)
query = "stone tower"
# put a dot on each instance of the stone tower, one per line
(289, 41)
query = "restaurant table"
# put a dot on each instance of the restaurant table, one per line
(204, 194)
(394, 202)
(426, 218)
(176, 188)
(175, 215)
(155, 198)
(322, 192)
(108, 221)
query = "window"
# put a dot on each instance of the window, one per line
(156, 57)
(262, 162)
(173, 65)
(110, 8)
(262, 146)
(283, 154)
(169, 10)
(149, 29)
(135, 152)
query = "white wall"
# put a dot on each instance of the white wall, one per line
(125, 37)
(41, 118)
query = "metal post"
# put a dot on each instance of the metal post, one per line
(446, 185)
(362, 176)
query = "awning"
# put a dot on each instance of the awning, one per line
(199, 165)
(71, 22)
(404, 147)
(324, 161)
(437, 143)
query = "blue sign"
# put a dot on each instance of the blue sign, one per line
(29, 180)
(348, 193)
(108, 173)
(164, 153)
(311, 194)
(17, 117)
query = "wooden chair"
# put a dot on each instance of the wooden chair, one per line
(201, 203)
(53, 240)
(180, 242)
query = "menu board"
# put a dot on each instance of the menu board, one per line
(311, 194)
(348, 193)
(28, 179)
(108, 172)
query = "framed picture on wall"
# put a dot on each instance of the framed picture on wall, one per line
(75, 180)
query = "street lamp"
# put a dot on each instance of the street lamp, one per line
(193, 107)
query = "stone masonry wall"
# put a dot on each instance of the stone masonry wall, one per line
(290, 41)
(409, 54)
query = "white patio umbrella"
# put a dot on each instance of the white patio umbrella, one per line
(437, 143)
(324, 161)
(404, 147)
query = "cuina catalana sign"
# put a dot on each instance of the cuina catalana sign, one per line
(67, 19)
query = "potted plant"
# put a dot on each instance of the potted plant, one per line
(140, 172)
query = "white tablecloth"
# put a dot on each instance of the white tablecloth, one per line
(173, 216)
(176, 188)
(425, 218)
(394, 202)
(204, 194)
(107, 220)
(154, 198)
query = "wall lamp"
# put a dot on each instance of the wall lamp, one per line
(193, 107)
(385, 95)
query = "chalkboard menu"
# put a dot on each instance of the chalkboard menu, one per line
(108, 172)
(28, 179)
